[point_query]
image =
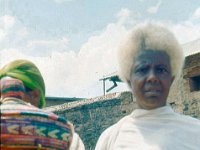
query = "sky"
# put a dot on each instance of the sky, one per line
(74, 42)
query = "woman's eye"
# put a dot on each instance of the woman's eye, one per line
(141, 70)
(162, 70)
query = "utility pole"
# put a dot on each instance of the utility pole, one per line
(104, 85)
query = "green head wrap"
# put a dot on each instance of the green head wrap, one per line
(28, 73)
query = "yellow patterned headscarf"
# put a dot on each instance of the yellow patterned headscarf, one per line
(28, 73)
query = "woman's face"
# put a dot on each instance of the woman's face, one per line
(151, 79)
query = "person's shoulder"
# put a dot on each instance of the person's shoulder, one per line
(103, 141)
(109, 135)
(107, 132)
(114, 127)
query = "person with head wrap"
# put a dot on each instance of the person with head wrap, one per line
(21, 80)
(24, 126)
(31, 77)
(149, 60)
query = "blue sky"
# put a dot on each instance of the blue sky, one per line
(73, 42)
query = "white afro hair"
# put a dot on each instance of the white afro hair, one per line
(149, 36)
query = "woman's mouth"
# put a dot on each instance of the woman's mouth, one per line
(152, 93)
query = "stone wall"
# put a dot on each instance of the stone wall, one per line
(183, 100)
(52, 101)
(92, 116)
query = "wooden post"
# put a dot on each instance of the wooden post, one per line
(104, 87)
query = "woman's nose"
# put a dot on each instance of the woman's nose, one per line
(152, 77)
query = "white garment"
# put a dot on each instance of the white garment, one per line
(158, 129)
(77, 143)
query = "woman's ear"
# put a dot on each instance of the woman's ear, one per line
(35, 97)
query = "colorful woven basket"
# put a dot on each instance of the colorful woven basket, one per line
(24, 126)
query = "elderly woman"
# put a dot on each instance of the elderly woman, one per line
(149, 61)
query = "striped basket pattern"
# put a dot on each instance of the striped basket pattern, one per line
(24, 126)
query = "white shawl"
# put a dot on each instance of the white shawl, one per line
(158, 129)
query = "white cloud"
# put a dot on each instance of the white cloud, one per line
(97, 58)
(45, 47)
(123, 15)
(187, 32)
(70, 74)
(127, 17)
(196, 14)
(191, 47)
(14, 35)
(67, 73)
(12, 32)
(7, 21)
(154, 9)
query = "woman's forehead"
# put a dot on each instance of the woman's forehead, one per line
(150, 56)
